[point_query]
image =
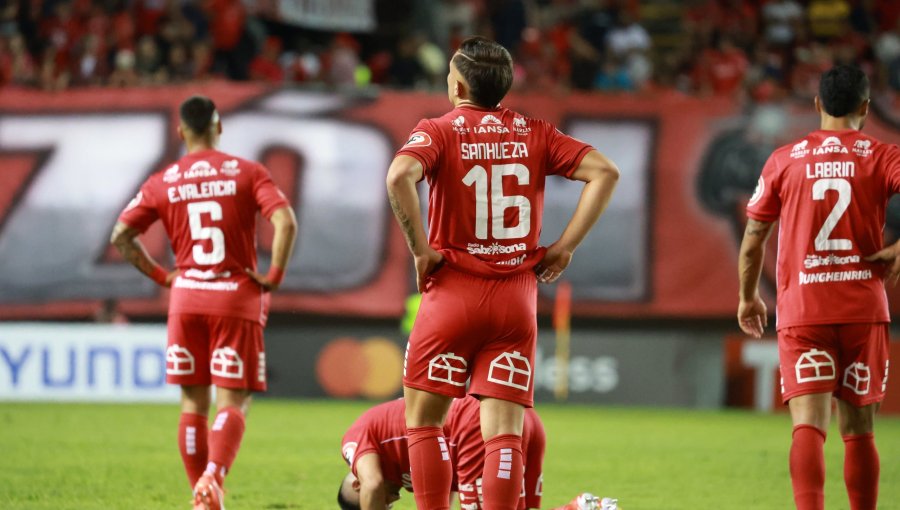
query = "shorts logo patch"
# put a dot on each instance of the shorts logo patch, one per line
(226, 363)
(349, 450)
(511, 369)
(418, 139)
(179, 360)
(857, 377)
(261, 368)
(448, 368)
(539, 488)
(814, 365)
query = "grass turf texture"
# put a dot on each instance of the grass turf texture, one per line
(88, 456)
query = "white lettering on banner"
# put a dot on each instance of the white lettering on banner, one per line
(208, 189)
(836, 276)
(586, 374)
(332, 15)
(494, 150)
(84, 362)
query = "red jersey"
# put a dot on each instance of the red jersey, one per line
(830, 191)
(381, 430)
(486, 169)
(208, 202)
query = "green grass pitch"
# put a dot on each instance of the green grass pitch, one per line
(87, 456)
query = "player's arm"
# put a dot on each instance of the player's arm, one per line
(372, 488)
(125, 239)
(403, 174)
(752, 316)
(285, 223)
(600, 176)
(889, 255)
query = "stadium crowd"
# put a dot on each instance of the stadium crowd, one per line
(757, 49)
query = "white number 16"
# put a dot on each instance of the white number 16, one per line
(499, 202)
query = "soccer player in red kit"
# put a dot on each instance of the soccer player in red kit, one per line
(208, 202)
(375, 448)
(830, 191)
(486, 166)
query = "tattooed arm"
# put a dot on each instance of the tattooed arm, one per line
(124, 238)
(752, 316)
(404, 173)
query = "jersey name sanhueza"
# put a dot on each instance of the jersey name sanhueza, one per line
(208, 202)
(486, 169)
(829, 191)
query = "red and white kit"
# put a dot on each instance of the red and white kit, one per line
(832, 311)
(382, 430)
(207, 202)
(464, 431)
(486, 169)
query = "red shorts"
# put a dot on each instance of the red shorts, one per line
(848, 360)
(209, 349)
(478, 327)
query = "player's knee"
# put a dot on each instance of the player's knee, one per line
(857, 420)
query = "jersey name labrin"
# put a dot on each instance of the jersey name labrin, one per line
(831, 169)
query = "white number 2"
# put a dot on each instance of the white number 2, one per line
(200, 233)
(823, 240)
(499, 202)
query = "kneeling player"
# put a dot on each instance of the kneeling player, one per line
(375, 448)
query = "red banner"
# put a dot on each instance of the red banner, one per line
(666, 248)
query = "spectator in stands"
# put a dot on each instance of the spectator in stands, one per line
(181, 68)
(149, 63)
(89, 62)
(53, 76)
(613, 77)
(266, 67)
(723, 69)
(406, 70)
(21, 69)
(627, 36)
(124, 74)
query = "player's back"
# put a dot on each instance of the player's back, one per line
(381, 430)
(830, 191)
(486, 169)
(208, 202)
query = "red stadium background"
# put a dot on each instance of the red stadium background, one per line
(698, 159)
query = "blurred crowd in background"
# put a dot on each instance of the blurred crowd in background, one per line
(759, 50)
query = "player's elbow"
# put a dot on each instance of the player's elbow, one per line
(285, 220)
(403, 170)
(597, 167)
(120, 235)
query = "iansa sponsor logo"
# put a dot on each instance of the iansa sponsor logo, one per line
(200, 169)
(831, 145)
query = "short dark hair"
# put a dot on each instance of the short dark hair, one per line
(487, 67)
(342, 501)
(197, 113)
(842, 90)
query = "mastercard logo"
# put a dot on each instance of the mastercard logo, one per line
(371, 368)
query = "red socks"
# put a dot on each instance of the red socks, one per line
(429, 466)
(808, 467)
(192, 434)
(503, 472)
(861, 470)
(224, 441)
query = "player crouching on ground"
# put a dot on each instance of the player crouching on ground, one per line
(375, 449)
(208, 202)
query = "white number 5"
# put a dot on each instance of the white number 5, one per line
(823, 241)
(200, 233)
